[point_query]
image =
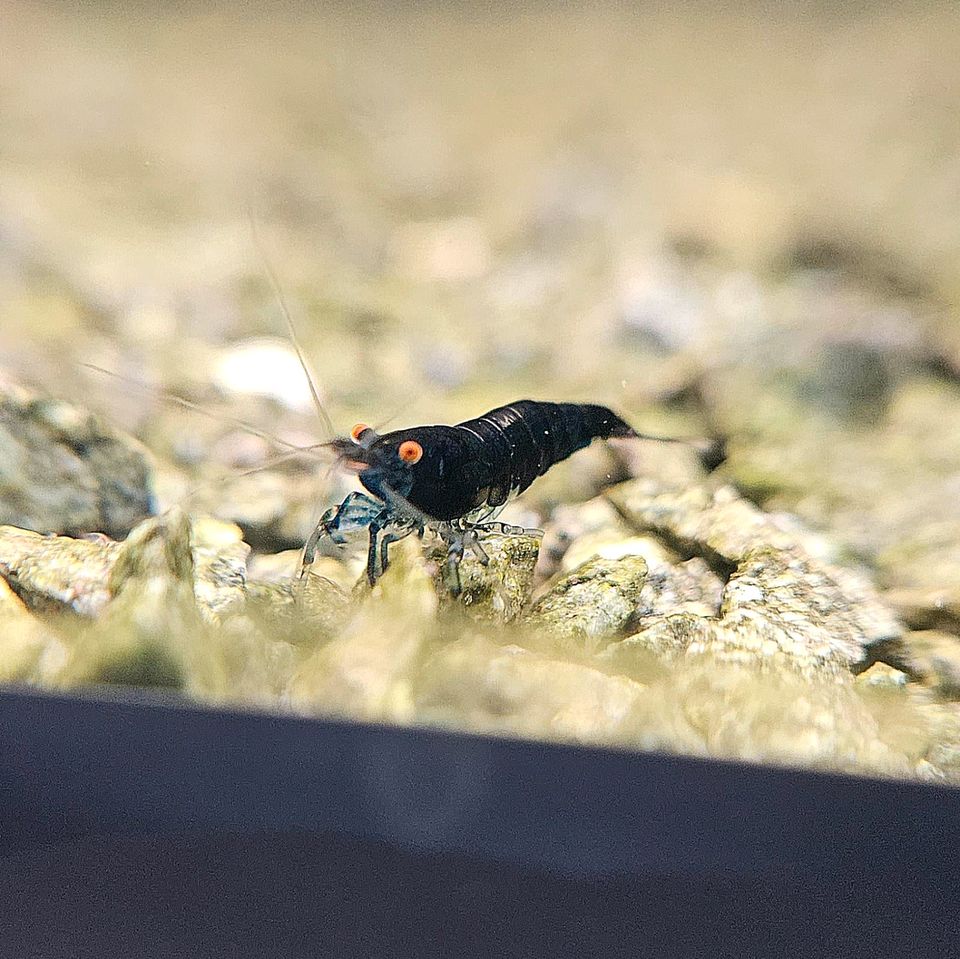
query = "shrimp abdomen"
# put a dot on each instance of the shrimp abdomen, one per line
(522, 440)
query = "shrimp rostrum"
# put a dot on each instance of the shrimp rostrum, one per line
(454, 479)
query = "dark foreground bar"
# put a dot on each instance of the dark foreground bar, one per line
(132, 827)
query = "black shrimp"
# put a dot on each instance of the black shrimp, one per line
(454, 479)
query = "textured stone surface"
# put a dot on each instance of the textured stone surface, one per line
(499, 590)
(511, 689)
(367, 670)
(57, 574)
(27, 647)
(935, 658)
(777, 563)
(64, 471)
(776, 608)
(590, 605)
(149, 633)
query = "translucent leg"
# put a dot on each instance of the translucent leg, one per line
(451, 568)
(472, 542)
(374, 530)
(357, 511)
(507, 530)
(388, 538)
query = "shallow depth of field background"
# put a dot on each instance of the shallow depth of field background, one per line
(739, 219)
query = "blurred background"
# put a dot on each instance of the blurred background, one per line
(739, 220)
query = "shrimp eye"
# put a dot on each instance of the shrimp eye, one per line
(410, 451)
(358, 431)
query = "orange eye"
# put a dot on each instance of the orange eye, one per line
(410, 451)
(358, 431)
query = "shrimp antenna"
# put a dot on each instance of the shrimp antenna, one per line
(710, 451)
(325, 420)
(399, 411)
(277, 460)
(186, 404)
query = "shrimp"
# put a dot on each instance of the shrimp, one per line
(455, 479)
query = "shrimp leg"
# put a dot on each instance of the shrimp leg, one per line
(451, 567)
(391, 537)
(357, 511)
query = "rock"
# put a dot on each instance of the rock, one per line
(596, 530)
(367, 671)
(935, 658)
(219, 567)
(702, 706)
(158, 552)
(27, 647)
(149, 633)
(882, 676)
(676, 588)
(147, 605)
(251, 664)
(509, 689)
(498, 591)
(182, 607)
(57, 574)
(729, 533)
(704, 520)
(887, 492)
(776, 603)
(779, 715)
(589, 606)
(594, 521)
(659, 639)
(776, 607)
(769, 677)
(609, 546)
(311, 612)
(63, 471)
